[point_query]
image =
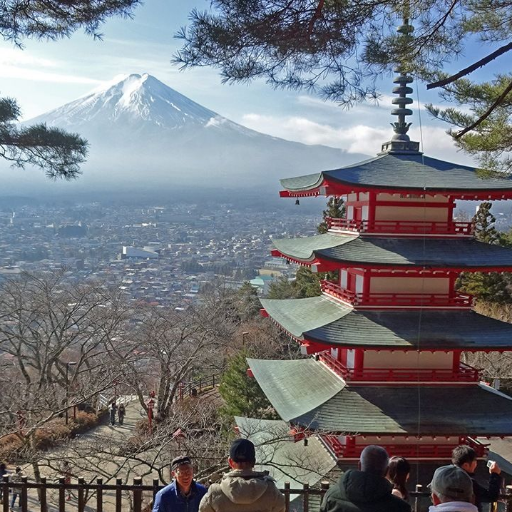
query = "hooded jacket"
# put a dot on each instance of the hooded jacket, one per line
(243, 491)
(170, 499)
(359, 491)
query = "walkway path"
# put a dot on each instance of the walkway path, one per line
(97, 454)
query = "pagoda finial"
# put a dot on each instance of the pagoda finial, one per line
(400, 142)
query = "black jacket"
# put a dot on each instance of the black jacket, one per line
(358, 491)
(483, 495)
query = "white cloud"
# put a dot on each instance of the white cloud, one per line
(12, 57)
(44, 76)
(357, 138)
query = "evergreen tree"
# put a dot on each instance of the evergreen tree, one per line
(58, 153)
(311, 44)
(490, 287)
(335, 210)
(306, 284)
(247, 302)
(241, 393)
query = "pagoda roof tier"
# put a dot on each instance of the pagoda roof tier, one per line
(325, 321)
(303, 394)
(401, 172)
(376, 252)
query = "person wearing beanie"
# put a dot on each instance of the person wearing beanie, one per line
(243, 489)
(451, 490)
(184, 493)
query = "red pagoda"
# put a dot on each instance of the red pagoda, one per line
(386, 337)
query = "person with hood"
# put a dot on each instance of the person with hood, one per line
(243, 489)
(184, 493)
(451, 490)
(465, 458)
(366, 489)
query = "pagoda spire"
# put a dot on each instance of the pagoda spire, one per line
(400, 142)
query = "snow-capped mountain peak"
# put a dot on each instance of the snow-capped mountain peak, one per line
(130, 100)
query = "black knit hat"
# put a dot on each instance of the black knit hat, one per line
(242, 450)
(178, 461)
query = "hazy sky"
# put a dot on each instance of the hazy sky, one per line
(45, 75)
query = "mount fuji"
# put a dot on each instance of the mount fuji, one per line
(143, 133)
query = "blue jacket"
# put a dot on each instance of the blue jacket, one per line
(169, 499)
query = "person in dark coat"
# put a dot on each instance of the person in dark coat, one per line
(113, 411)
(3, 472)
(184, 494)
(366, 489)
(121, 413)
(465, 457)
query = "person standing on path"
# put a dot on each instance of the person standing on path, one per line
(113, 411)
(121, 413)
(16, 478)
(66, 473)
(3, 472)
(184, 493)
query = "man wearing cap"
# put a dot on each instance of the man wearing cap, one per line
(183, 494)
(451, 490)
(366, 489)
(465, 458)
(243, 489)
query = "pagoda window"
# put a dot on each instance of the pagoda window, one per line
(343, 279)
(359, 284)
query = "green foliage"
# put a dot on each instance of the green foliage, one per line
(58, 18)
(56, 152)
(247, 302)
(306, 284)
(335, 210)
(312, 44)
(242, 394)
(484, 221)
(489, 287)
(490, 141)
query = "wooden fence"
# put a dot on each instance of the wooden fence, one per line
(119, 497)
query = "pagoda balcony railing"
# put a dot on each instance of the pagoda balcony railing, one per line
(464, 373)
(401, 227)
(412, 450)
(432, 300)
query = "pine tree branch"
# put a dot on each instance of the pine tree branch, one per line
(473, 67)
(315, 17)
(489, 111)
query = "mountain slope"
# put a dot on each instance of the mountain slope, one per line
(141, 130)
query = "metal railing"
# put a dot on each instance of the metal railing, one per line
(424, 300)
(402, 227)
(464, 373)
(197, 385)
(119, 497)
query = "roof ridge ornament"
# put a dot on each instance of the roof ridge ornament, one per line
(400, 142)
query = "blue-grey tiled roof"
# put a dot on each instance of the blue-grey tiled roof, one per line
(325, 321)
(403, 171)
(424, 252)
